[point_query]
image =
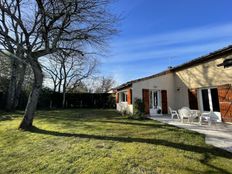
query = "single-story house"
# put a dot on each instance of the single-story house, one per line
(204, 83)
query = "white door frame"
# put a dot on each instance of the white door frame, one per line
(154, 111)
(210, 101)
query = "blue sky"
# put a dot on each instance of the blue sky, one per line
(155, 34)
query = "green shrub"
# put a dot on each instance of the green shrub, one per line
(124, 112)
(138, 110)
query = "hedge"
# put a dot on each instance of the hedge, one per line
(49, 99)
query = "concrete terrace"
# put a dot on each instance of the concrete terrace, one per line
(218, 135)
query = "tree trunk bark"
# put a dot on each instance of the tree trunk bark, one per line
(64, 99)
(60, 80)
(19, 85)
(59, 86)
(12, 86)
(64, 95)
(64, 87)
(27, 121)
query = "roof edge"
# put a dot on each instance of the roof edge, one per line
(188, 64)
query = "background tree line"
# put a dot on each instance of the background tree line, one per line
(61, 78)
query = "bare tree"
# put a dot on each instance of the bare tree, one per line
(15, 72)
(104, 84)
(36, 29)
(4, 73)
(53, 72)
(15, 76)
(80, 87)
(67, 71)
(5, 70)
(17, 66)
(18, 72)
(4, 67)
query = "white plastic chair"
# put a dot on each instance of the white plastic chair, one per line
(209, 117)
(185, 112)
(173, 113)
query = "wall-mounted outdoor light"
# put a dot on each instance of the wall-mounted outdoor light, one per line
(226, 63)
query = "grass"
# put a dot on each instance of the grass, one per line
(101, 141)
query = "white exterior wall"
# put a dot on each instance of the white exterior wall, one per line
(163, 82)
(206, 74)
(123, 106)
(181, 93)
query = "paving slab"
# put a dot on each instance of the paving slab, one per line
(218, 134)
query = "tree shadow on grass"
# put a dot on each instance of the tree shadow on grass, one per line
(75, 119)
(206, 159)
(53, 117)
(207, 152)
(5, 117)
(191, 148)
(154, 125)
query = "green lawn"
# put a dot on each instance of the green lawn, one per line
(101, 141)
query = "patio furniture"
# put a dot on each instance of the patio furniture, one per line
(185, 112)
(209, 117)
(196, 113)
(173, 113)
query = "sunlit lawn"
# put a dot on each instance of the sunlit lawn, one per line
(102, 141)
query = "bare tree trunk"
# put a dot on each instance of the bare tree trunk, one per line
(15, 85)
(60, 81)
(18, 90)
(59, 86)
(64, 99)
(54, 89)
(33, 97)
(64, 94)
(12, 86)
(64, 85)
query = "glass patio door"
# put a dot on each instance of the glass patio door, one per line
(210, 101)
(154, 99)
(155, 102)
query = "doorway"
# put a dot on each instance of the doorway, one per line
(155, 102)
(210, 101)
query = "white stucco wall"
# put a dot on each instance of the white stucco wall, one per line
(206, 74)
(123, 106)
(181, 93)
(163, 82)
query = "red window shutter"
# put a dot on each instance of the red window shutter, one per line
(164, 100)
(146, 100)
(129, 96)
(117, 97)
(192, 95)
(225, 102)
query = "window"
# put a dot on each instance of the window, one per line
(205, 99)
(210, 99)
(150, 95)
(215, 101)
(154, 99)
(123, 96)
